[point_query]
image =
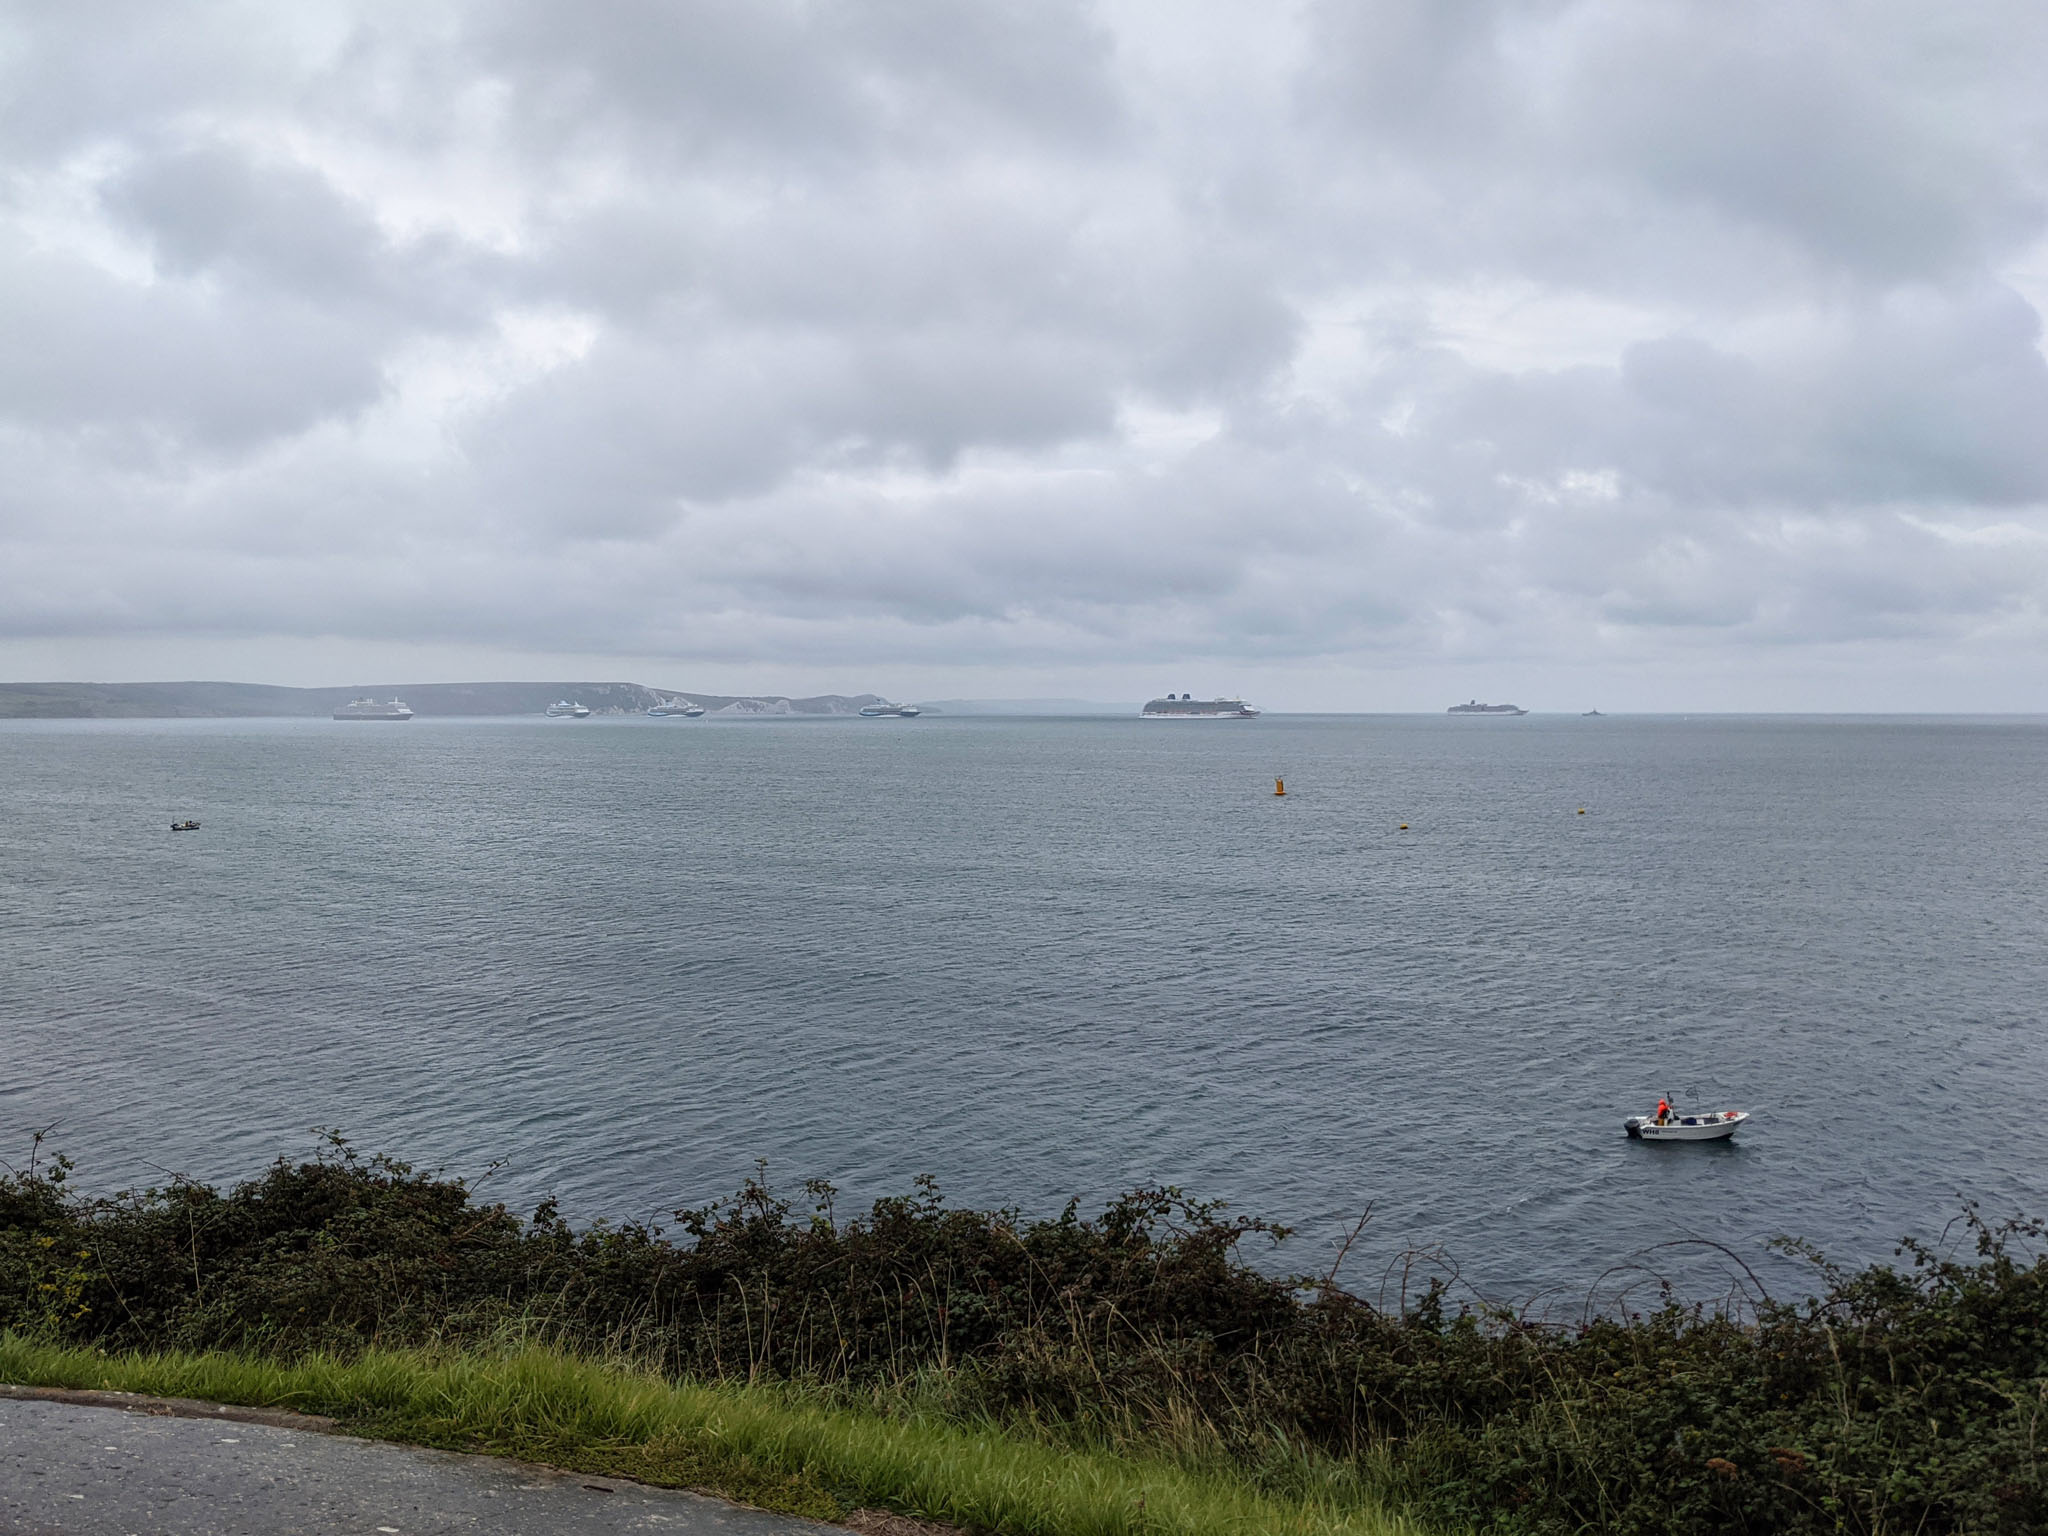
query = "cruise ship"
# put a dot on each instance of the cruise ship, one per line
(1188, 707)
(562, 709)
(676, 709)
(875, 711)
(1474, 707)
(374, 709)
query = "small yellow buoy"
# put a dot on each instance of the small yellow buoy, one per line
(1279, 786)
(1582, 810)
(1404, 826)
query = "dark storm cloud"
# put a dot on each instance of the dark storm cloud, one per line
(1025, 334)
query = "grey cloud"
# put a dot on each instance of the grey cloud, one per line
(208, 210)
(1020, 334)
(636, 429)
(1428, 78)
(791, 86)
(1931, 397)
(86, 350)
(1906, 145)
(1808, 126)
(80, 74)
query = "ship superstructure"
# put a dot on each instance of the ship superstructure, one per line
(374, 709)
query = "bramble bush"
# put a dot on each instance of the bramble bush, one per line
(1897, 1399)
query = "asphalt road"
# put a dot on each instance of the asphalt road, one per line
(89, 1470)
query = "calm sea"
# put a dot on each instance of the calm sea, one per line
(1052, 958)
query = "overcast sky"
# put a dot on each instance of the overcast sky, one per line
(1357, 356)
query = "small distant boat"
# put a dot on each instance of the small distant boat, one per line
(1477, 708)
(1716, 1125)
(184, 826)
(1592, 714)
(562, 709)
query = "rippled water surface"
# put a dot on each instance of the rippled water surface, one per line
(1045, 958)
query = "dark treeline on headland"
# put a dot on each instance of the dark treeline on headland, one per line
(1896, 1399)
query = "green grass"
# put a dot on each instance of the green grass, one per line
(764, 1445)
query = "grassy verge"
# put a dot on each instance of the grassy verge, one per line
(1123, 1371)
(764, 1445)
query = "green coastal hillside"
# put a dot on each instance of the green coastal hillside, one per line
(142, 701)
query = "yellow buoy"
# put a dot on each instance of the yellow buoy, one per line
(1582, 810)
(1279, 786)
(1404, 826)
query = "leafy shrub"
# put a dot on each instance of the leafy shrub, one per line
(1896, 1400)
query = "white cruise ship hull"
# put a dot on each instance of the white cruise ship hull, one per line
(1187, 708)
(371, 709)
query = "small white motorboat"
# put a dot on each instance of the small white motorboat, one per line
(1712, 1126)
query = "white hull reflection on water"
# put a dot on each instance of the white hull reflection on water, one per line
(1050, 957)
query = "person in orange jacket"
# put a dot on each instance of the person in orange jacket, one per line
(1663, 1110)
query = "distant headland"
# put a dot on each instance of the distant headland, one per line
(171, 701)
